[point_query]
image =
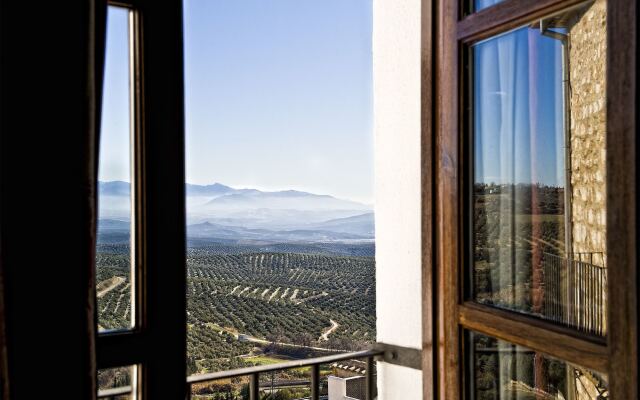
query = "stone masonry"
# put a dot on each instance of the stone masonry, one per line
(587, 55)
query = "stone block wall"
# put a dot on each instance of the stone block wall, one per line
(587, 66)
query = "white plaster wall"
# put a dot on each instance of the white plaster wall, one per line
(396, 78)
(337, 388)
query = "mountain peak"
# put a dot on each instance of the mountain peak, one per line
(281, 200)
(114, 188)
(218, 186)
(218, 194)
(215, 189)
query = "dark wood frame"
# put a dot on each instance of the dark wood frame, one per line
(158, 236)
(617, 356)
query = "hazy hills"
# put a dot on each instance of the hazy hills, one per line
(221, 213)
(283, 200)
(318, 233)
(218, 196)
(120, 188)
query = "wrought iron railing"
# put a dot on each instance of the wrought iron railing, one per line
(254, 375)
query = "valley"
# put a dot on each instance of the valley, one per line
(271, 276)
(243, 302)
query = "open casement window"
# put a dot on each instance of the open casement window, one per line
(535, 207)
(133, 351)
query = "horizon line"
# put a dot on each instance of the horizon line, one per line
(366, 203)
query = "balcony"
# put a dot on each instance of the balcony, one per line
(312, 378)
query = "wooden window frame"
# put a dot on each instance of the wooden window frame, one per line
(445, 33)
(158, 337)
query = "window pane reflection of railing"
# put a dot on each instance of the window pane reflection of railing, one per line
(502, 370)
(116, 383)
(539, 212)
(575, 292)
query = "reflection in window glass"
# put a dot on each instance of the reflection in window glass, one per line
(481, 4)
(539, 225)
(113, 261)
(501, 370)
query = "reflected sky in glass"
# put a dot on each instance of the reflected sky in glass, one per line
(518, 109)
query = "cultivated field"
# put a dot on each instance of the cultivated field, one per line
(244, 300)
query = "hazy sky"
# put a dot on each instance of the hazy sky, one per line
(278, 95)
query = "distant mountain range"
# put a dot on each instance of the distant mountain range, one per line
(220, 196)
(121, 188)
(221, 212)
(353, 229)
(362, 224)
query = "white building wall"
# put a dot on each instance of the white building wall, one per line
(337, 389)
(396, 76)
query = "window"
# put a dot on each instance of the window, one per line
(116, 383)
(499, 369)
(528, 223)
(115, 258)
(522, 289)
(509, 320)
(538, 225)
(157, 333)
(113, 252)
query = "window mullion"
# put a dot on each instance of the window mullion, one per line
(622, 201)
(556, 341)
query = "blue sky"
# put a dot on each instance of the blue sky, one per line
(114, 139)
(278, 95)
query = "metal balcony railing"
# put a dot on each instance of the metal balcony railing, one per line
(254, 375)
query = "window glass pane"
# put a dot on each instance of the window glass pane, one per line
(113, 261)
(481, 4)
(501, 370)
(539, 217)
(279, 180)
(116, 383)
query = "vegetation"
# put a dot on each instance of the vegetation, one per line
(513, 226)
(114, 377)
(244, 302)
(114, 306)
